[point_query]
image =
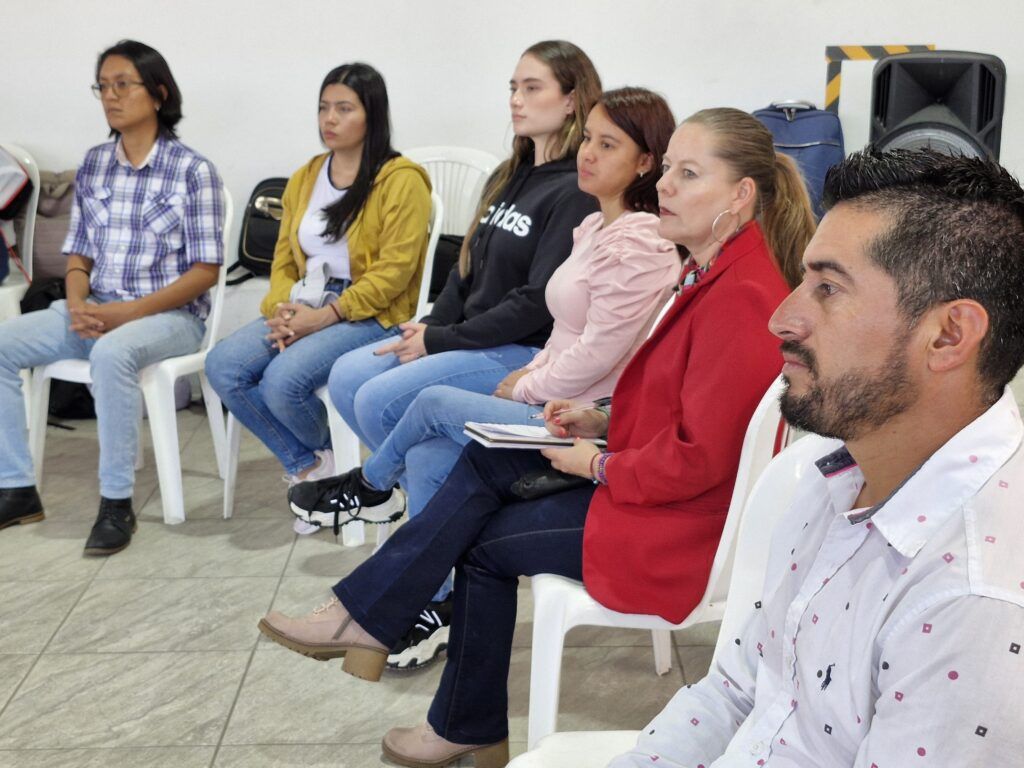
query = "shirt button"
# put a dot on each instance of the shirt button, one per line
(757, 748)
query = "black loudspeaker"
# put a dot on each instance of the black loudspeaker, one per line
(951, 101)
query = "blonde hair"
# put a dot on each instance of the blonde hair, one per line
(783, 205)
(575, 74)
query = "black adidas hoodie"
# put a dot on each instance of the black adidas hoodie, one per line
(523, 239)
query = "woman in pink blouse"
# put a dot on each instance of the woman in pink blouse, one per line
(603, 298)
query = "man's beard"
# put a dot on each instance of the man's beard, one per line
(853, 403)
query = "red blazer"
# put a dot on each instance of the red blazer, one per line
(680, 411)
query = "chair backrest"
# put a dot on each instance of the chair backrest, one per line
(766, 435)
(217, 297)
(769, 498)
(437, 218)
(26, 238)
(458, 175)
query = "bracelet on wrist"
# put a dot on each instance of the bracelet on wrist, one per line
(593, 472)
(600, 476)
(336, 311)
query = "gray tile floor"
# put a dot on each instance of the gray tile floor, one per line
(151, 657)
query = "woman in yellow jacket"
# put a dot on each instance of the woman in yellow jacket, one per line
(346, 271)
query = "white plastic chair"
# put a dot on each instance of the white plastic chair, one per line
(157, 382)
(561, 604)
(769, 498)
(344, 442)
(458, 175)
(14, 287)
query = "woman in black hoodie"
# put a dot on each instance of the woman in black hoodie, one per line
(491, 318)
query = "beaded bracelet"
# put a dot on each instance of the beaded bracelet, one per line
(593, 474)
(601, 477)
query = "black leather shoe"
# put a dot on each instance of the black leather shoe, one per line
(113, 528)
(19, 506)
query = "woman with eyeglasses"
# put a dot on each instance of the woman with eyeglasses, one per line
(347, 270)
(144, 247)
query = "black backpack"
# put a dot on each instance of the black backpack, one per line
(68, 399)
(260, 226)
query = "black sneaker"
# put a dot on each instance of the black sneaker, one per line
(424, 642)
(113, 528)
(344, 498)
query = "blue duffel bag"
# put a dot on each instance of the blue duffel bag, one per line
(811, 136)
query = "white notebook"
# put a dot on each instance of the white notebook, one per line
(516, 436)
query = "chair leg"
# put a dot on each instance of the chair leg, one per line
(662, 641)
(545, 665)
(383, 533)
(39, 409)
(346, 456)
(26, 394)
(215, 416)
(163, 423)
(232, 438)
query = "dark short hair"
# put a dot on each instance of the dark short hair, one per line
(956, 231)
(645, 117)
(153, 69)
(369, 86)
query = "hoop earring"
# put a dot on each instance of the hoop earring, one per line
(714, 225)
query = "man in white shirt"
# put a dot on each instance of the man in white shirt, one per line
(891, 624)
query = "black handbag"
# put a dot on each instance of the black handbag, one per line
(544, 482)
(261, 224)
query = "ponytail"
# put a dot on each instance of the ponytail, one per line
(787, 220)
(784, 207)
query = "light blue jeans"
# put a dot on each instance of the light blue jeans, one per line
(428, 439)
(373, 394)
(115, 361)
(272, 393)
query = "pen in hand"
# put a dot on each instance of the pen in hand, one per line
(599, 403)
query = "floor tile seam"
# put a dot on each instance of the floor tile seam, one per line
(106, 749)
(191, 652)
(49, 640)
(248, 663)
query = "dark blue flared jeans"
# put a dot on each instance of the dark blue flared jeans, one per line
(491, 538)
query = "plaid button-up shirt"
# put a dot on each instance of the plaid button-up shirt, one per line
(145, 227)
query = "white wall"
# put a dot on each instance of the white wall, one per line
(249, 69)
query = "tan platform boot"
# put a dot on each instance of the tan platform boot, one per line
(420, 747)
(329, 632)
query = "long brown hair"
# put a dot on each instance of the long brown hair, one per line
(646, 118)
(575, 74)
(783, 205)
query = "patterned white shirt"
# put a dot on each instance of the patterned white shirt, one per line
(885, 638)
(145, 227)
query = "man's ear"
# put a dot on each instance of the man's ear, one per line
(960, 327)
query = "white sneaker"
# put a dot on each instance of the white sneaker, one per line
(323, 468)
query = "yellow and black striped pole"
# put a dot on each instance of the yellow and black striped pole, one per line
(835, 55)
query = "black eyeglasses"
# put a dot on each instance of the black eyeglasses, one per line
(118, 87)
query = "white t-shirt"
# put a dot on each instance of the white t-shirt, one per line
(318, 250)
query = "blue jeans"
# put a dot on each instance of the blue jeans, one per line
(272, 393)
(491, 538)
(371, 393)
(436, 416)
(115, 360)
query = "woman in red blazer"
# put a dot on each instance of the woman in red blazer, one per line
(643, 534)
